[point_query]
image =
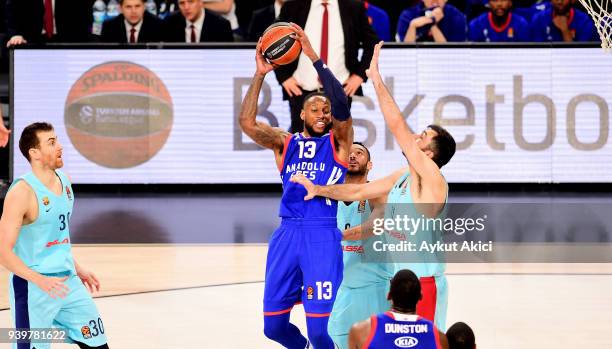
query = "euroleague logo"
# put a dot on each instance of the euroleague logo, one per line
(118, 114)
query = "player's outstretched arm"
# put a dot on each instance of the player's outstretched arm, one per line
(262, 133)
(359, 334)
(16, 205)
(349, 192)
(423, 165)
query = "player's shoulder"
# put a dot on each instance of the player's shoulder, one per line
(543, 16)
(362, 327)
(453, 11)
(519, 20)
(581, 16)
(481, 20)
(20, 192)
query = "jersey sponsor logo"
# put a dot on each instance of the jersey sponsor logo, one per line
(406, 328)
(68, 193)
(406, 342)
(362, 206)
(86, 332)
(57, 242)
(351, 248)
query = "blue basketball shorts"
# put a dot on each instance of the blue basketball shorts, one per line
(304, 264)
(32, 308)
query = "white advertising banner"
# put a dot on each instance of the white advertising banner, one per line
(170, 115)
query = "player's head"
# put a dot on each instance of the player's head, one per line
(191, 9)
(500, 8)
(561, 6)
(460, 336)
(437, 143)
(132, 10)
(360, 161)
(405, 291)
(39, 144)
(316, 113)
(434, 3)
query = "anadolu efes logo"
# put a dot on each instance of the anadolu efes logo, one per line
(118, 114)
(406, 342)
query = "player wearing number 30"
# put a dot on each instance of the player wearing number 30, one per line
(304, 262)
(47, 286)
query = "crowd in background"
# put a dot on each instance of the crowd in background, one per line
(141, 21)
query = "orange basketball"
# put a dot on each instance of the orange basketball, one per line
(118, 114)
(278, 46)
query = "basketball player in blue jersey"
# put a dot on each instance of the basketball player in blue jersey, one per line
(304, 262)
(46, 285)
(420, 188)
(364, 287)
(400, 327)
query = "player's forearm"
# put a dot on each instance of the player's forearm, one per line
(223, 7)
(410, 34)
(248, 110)
(340, 192)
(391, 112)
(567, 36)
(333, 88)
(15, 265)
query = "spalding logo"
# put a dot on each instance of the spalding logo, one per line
(406, 342)
(118, 114)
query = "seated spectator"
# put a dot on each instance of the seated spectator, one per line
(262, 19)
(194, 24)
(379, 20)
(40, 21)
(460, 336)
(133, 25)
(227, 10)
(432, 20)
(562, 22)
(529, 12)
(499, 25)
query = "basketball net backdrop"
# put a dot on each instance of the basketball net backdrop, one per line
(600, 12)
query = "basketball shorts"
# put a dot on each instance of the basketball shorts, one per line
(304, 264)
(356, 304)
(434, 304)
(76, 313)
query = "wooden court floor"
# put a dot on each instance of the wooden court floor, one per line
(209, 296)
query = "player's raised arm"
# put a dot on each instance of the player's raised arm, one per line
(423, 165)
(342, 126)
(349, 192)
(16, 205)
(262, 133)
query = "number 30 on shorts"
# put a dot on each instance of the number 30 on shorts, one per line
(324, 290)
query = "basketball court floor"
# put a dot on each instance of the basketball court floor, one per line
(186, 271)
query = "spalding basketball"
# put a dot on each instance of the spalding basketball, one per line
(118, 114)
(278, 46)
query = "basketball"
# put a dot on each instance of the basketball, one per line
(118, 114)
(278, 46)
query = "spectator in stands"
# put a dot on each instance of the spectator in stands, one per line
(194, 24)
(460, 336)
(393, 10)
(347, 30)
(133, 25)
(227, 10)
(432, 20)
(39, 21)
(499, 25)
(562, 22)
(262, 19)
(379, 20)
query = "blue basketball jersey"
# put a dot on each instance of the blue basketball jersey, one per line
(483, 29)
(315, 158)
(580, 24)
(394, 330)
(44, 245)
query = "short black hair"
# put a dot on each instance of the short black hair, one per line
(29, 137)
(443, 145)
(460, 336)
(315, 94)
(366, 148)
(405, 291)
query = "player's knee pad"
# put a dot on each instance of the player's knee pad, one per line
(317, 332)
(85, 346)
